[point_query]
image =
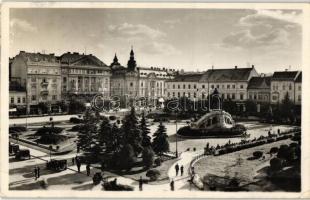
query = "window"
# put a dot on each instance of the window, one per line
(217, 86)
(283, 87)
(173, 94)
(141, 84)
(184, 86)
(194, 94)
(178, 86)
(179, 94)
(212, 86)
(64, 79)
(189, 95)
(228, 86)
(194, 86)
(18, 99)
(203, 86)
(299, 88)
(54, 80)
(24, 99)
(33, 97)
(223, 86)
(173, 86)
(189, 86)
(183, 94)
(44, 98)
(299, 97)
(233, 86)
(241, 86)
(168, 94)
(131, 84)
(12, 100)
(254, 96)
(290, 87)
(54, 97)
(233, 96)
(33, 79)
(274, 97)
(228, 96)
(250, 96)
(241, 96)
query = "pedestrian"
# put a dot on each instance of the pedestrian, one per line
(182, 170)
(73, 159)
(88, 169)
(78, 164)
(172, 185)
(35, 172)
(177, 169)
(279, 131)
(38, 172)
(140, 183)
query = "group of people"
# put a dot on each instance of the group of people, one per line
(178, 168)
(76, 160)
(36, 172)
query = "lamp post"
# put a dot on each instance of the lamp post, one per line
(176, 134)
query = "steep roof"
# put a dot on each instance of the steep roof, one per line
(285, 75)
(71, 58)
(299, 78)
(187, 77)
(259, 83)
(232, 74)
(38, 57)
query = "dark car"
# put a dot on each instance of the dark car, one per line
(23, 154)
(13, 149)
(57, 165)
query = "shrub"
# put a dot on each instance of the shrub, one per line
(276, 164)
(113, 186)
(283, 151)
(51, 139)
(76, 120)
(157, 161)
(15, 129)
(48, 130)
(274, 150)
(257, 154)
(148, 157)
(153, 174)
(112, 118)
(77, 127)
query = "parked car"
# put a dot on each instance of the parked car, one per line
(23, 154)
(57, 165)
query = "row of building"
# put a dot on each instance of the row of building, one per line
(37, 77)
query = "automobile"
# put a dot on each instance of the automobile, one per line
(13, 149)
(57, 165)
(23, 154)
(97, 178)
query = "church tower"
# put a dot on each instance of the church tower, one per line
(131, 62)
(115, 61)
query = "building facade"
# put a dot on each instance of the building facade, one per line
(259, 89)
(286, 83)
(230, 83)
(83, 76)
(40, 75)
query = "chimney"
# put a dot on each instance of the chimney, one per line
(236, 67)
(252, 66)
(212, 67)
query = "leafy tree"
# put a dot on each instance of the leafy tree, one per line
(145, 131)
(287, 108)
(148, 157)
(131, 131)
(250, 107)
(76, 106)
(160, 141)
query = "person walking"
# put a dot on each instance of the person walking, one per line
(182, 170)
(177, 169)
(35, 172)
(73, 159)
(38, 172)
(140, 184)
(88, 169)
(172, 185)
(78, 165)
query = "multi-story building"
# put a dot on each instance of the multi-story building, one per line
(184, 85)
(286, 83)
(259, 89)
(137, 82)
(230, 83)
(83, 76)
(40, 75)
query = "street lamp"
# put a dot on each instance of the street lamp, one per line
(176, 134)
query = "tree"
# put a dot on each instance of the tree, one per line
(76, 106)
(131, 132)
(108, 136)
(145, 131)
(127, 157)
(148, 157)
(88, 136)
(287, 108)
(160, 140)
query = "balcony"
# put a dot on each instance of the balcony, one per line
(44, 84)
(44, 92)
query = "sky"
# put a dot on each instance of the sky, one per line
(189, 39)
